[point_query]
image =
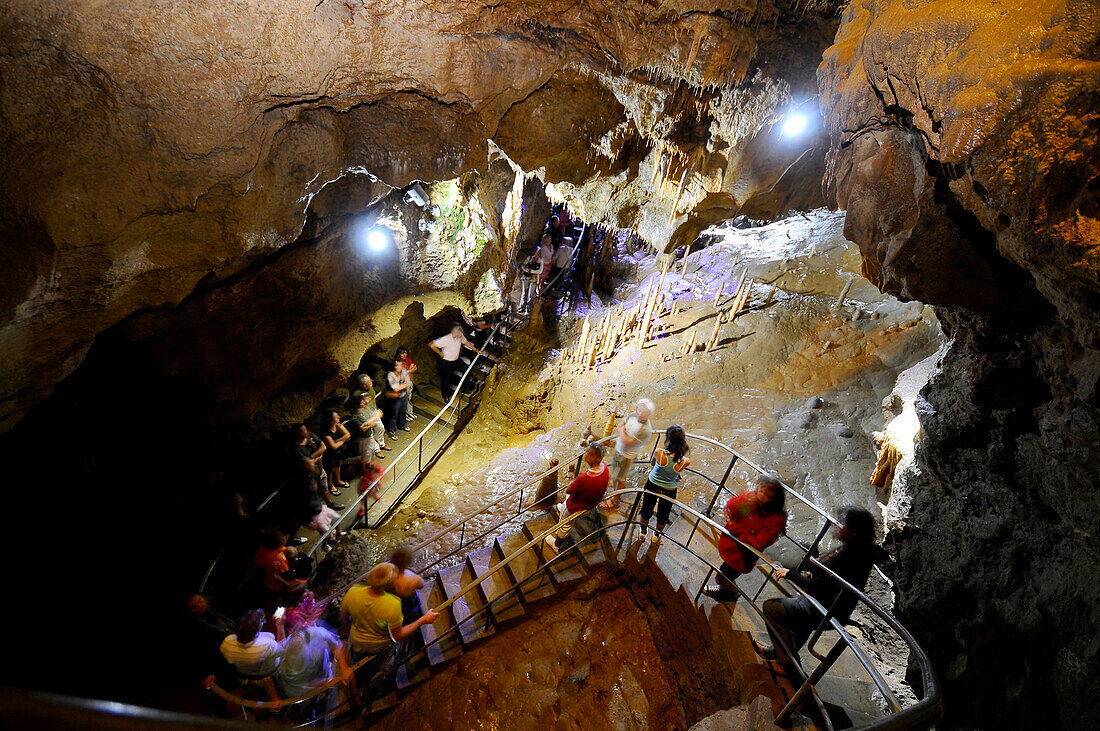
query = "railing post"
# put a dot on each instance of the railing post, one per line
(813, 547)
(519, 508)
(710, 573)
(629, 522)
(419, 454)
(713, 500)
(816, 675)
(462, 535)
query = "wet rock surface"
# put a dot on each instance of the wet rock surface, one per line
(966, 158)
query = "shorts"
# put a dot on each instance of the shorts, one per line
(620, 467)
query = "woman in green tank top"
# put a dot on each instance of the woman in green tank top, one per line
(668, 464)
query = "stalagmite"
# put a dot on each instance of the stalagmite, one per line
(843, 293)
(644, 330)
(679, 192)
(583, 344)
(691, 344)
(591, 283)
(713, 341)
(657, 168)
(771, 292)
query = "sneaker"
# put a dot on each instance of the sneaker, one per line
(719, 594)
(392, 435)
(413, 416)
(406, 428)
(656, 539)
(337, 506)
(765, 651)
(297, 540)
(384, 448)
(552, 542)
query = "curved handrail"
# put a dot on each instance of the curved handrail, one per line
(927, 710)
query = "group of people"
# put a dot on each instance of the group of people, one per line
(550, 258)
(754, 520)
(289, 650)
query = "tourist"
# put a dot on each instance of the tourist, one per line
(584, 493)
(370, 433)
(553, 230)
(563, 257)
(410, 368)
(530, 272)
(310, 657)
(334, 435)
(546, 257)
(449, 348)
(305, 613)
(790, 621)
(755, 518)
(273, 559)
(364, 386)
(376, 619)
(254, 654)
(405, 584)
(198, 606)
(306, 445)
(669, 464)
(396, 399)
(633, 432)
(372, 480)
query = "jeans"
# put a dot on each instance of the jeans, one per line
(450, 373)
(790, 621)
(395, 412)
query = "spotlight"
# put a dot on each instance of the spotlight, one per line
(794, 125)
(377, 239)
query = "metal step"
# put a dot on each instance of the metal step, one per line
(498, 590)
(450, 646)
(525, 569)
(471, 628)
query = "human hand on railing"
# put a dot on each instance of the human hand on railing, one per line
(429, 616)
(781, 572)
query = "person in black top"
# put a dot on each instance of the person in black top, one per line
(791, 620)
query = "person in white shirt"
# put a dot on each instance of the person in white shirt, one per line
(562, 258)
(255, 654)
(530, 273)
(632, 435)
(448, 348)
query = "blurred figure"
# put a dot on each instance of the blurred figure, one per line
(546, 256)
(791, 620)
(563, 257)
(668, 465)
(530, 273)
(254, 654)
(633, 433)
(273, 559)
(372, 480)
(756, 518)
(376, 618)
(311, 655)
(405, 584)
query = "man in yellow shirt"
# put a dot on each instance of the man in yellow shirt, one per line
(376, 620)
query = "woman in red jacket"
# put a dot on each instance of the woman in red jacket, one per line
(756, 518)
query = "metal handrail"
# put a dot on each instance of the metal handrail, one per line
(365, 492)
(927, 710)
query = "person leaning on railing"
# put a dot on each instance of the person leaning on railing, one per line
(255, 655)
(376, 619)
(755, 518)
(792, 619)
(584, 494)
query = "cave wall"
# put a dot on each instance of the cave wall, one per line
(963, 148)
(153, 148)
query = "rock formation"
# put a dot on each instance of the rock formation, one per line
(963, 146)
(182, 144)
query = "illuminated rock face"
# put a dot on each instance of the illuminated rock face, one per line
(963, 146)
(149, 147)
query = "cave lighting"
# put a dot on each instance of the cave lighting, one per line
(377, 239)
(794, 125)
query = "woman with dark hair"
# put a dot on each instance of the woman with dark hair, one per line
(791, 620)
(668, 463)
(396, 401)
(402, 355)
(335, 436)
(755, 518)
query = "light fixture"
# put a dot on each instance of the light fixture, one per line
(377, 238)
(794, 125)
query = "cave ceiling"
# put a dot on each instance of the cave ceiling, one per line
(150, 146)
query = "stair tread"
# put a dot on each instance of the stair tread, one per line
(449, 647)
(533, 583)
(470, 627)
(498, 589)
